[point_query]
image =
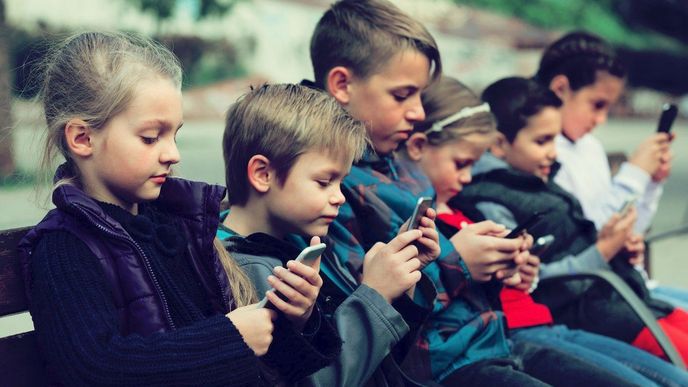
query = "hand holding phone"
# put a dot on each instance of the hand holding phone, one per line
(306, 256)
(666, 120)
(523, 227)
(422, 206)
(628, 204)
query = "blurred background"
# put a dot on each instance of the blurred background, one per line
(227, 45)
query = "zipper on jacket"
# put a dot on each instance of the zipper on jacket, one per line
(146, 262)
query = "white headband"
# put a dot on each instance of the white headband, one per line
(463, 113)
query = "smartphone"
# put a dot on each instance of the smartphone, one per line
(542, 244)
(306, 256)
(311, 253)
(422, 206)
(523, 227)
(626, 207)
(666, 120)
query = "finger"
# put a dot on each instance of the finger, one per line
(407, 253)
(293, 295)
(298, 283)
(431, 214)
(404, 239)
(306, 272)
(430, 233)
(411, 265)
(485, 227)
(283, 306)
(377, 247)
(507, 245)
(426, 222)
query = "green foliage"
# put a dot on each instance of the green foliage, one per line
(597, 16)
(161, 9)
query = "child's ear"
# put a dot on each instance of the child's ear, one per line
(560, 85)
(337, 83)
(500, 146)
(78, 137)
(415, 145)
(259, 173)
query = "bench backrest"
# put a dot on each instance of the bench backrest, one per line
(21, 363)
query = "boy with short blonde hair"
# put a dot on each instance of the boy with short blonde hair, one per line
(287, 149)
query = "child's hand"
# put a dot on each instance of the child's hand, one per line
(648, 155)
(635, 249)
(664, 169)
(485, 251)
(300, 285)
(255, 326)
(529, 273)
(429, 244)
(393, 268)
(513, 280)
(612, 237)
(508, 276)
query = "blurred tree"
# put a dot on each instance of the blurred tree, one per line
(651, 35)
(164, 9)
(7, 165)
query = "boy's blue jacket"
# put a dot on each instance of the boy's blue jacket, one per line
(381, 193)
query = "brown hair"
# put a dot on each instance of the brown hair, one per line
(282, 122)
(446, 97)
(364, 35)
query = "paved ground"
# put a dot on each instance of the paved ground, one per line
(199, 143)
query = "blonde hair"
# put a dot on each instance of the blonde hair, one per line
(445, 98)
(364, 35)
(92, 76)
(282, 122)
(243, 291)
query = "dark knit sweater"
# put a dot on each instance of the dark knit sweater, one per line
(79, 331)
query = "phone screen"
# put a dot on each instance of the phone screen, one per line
(666, 120)
(530, 222)
(421, 208)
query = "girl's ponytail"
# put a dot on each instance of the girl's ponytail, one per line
(242, 289)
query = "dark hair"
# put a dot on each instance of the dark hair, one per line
(514, 100)
(363, 35)
(579, 56)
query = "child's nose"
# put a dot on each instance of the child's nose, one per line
(416, 112)
(466, 176)
(337, 198)
(601, 118)
(170, 155)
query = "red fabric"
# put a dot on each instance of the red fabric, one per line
(521, 310)
(456, 219)
(519, 307)
(675, 325)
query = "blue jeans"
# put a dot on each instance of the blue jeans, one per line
(615, 356)
(675, 296)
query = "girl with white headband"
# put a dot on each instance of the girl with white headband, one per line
(456, 132)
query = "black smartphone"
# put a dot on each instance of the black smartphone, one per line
(523, 227)
(542, 244)
(666, 120)
(422, 206)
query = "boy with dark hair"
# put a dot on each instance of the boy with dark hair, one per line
(516, 179)
(375, 61)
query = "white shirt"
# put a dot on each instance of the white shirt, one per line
(586, 175)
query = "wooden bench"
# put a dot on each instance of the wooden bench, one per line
(20, 361)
